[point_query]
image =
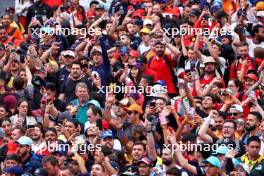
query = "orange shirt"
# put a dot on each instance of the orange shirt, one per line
(16, 34)
(14, 42)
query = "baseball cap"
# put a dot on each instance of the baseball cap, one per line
(213, 161)
(90, 14)
(145, 30)
(10, 9)
(14, 170)
(175, 11)
(95, 103)
(96, 49)
(124, 50)
(251, 76)
(107, 133)
(99, 6)
(135, 107)
(260, 14)
(69, 53)
(24, 140)
(243, 166)
(136, 64)
(147, 22)
(260, 6)
(60, 150)
(237, 107)
(134, 53)
(138, 13)
(223, 149)
(145, 160)
(194, 12)
(41, 172)
(40, 69)
(115, 165)
(124, 102)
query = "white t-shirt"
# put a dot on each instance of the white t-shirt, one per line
(252, 46)
(143, 48)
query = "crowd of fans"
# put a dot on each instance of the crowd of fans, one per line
(97, 88)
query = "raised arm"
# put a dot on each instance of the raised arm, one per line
(204, 128)
(152, 154)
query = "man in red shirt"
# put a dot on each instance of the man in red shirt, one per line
(244, 63)
(209, 74)
(145, 70)
(162, 69)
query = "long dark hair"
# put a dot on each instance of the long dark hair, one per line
(137, 78)
(20, 101)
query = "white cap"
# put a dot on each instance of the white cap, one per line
(69, 53)
(24, 140)
(237, 107)
(260, 14)
(147, 21)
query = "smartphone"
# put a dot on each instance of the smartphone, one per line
(30, 126)
(191, 111)
(163, 119)
(99, 124)
(84, 65)
(152, 104)
(251, 93)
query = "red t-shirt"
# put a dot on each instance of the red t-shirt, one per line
(152, 73)
(239, 66)
(203, 82)
(163, 72)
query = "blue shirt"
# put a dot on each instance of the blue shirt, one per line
(82, 110)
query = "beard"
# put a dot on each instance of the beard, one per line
(160, 53)
(3, 38)
(209, 71)
(35, 138)
(250, 128)
(167, 162)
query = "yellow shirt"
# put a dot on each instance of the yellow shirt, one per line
(20, 28)
(249, 163)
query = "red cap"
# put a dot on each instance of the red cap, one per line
(11, 148)
(138, 13)
(105, 124)
(181, 75)
(90, 14)
(251, 76)
(175, 11)
(134, 53)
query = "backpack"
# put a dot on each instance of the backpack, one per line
(11, 33)
(174, 77)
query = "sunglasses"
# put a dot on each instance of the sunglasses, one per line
(233, 114)
(132, 112)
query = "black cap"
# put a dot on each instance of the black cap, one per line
(41, 172)
(221, 13)
(10, 9)
(195, 12)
